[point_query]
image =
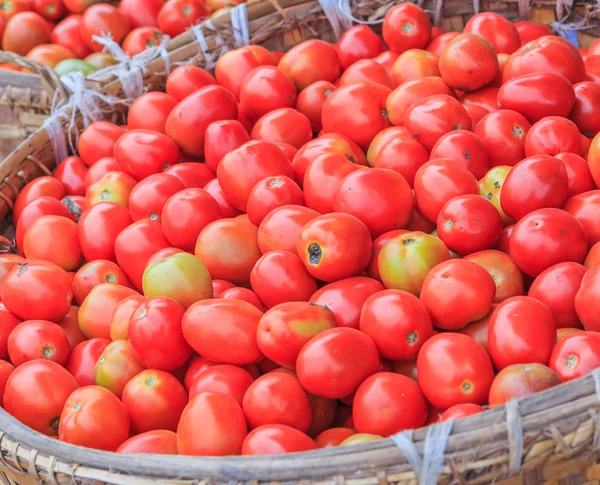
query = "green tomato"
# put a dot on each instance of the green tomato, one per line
(72, 65)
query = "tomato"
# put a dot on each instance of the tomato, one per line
(11, 7)
(192, 174)
(37, 290)
(465, 148)
(119, 324)
(507, 277)
(583, 207)
(280, 228)
(311, 100)
(41, 187)
(490, 187)
(360, 438)
(378, 244)
(552, 135)
(36, 392)
(226, 379)
(392, 133)
(358, 42)
(485, 97)
(38, 339)
(593, 256)
(414, 64)
(71, 173)
(334, 246)
(24, 31)
(187, 79)
(116, 366)
(266, 89)
(504, 241)
(97, 141)
(536, 182)
(111, 187)
(99, 227)
(584, 112)
(140, 14)
(101, 19)
(99, 60)
(459, 411)
(454, 369)
(468, 62)
(499, 32)
(222, 422)
(49, 55)
(530, 30)
(547, 237)
(99, 169)
(311, 61)
(150, 111)
(283, 125)
(406, 26)
(235, 252)
(401, 98)
(93, 274)
(7, 324)
(585, 297)
(149, 196)
(160, 441)
(576, 356)
(387, 403)
(520, 380)
(6, 369)
(222, 137)
(83, 358)
(366, 70)
(197, 367)
(95, 418)
(233, 341)
(437, 44)
(234, 66)
(546, 54)
(138, 40)
(141, 153)
(476, 113)
(273, 439)
(95, 313)
(333, 437)
(41, 206)
(269, 194)
(154, 399)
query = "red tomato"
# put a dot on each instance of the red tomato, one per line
(457, 292)
(71, 173)
(229, 249)
(556, 287)
(220, 138)
(546, 54)
(499, 32)
(333, 437)
(366, 70)
(97, 141)
(503, 242)
(226, 379)
(95, 313)
(358, 42)
(454, 369)
(119, 324)
(141, 14)
(242, 294)
(280, 228)
(530, 30)
(552, 135)
(187, 79)
(233, 341)
(593, 256)
(160, 441)
(41, 206)
(536, 182)
(112, 187)
(334, 246)
(274, 439)
(468, 62)
(380, 198)
(503, 270)
(283, 125)
(503, 134)
(585, 108)
(116, 366)
(99, 170)
(392, 133)
(464, 147)
(70, 325)
(95, 418)
(387, 403)
(311, 100)
(459, 411)
(476, 113)
(24, 31)
(40, 187)
(593, 159)
(53, 238)
(584, 208)
(520, 380)
(404, 156)
(223, 426)
(335, 362)
(398, 323)
(138, 40)
(102, 19)
(585, 297)
(485, 97)
(36, 392)
(440, 180)
(576, 356)
(149, 196)
(265, 89)
(93, 274)
(469, 223)
(269, 194)
(437, 44)
(406, 26)
(192, 174)
(521, 331)
(37, 290)
(150, 112)
(547, 237)
(99, 227)
(311, 61)
(83, 358)
(414, 64)
(38, 339)
(378, 244)
(7, 323)
(6, 369)
(339, 112)
(68, 34)
(197, 367)
(279, 277)
(176, 16)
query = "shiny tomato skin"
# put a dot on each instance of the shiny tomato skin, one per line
(414, 64)
(176, 16)
(552, 135)
(223, 426)
(242, 294)
(150, 112)
(154, 399)
(116, 366)
(265, 89)
(102, 18)
(301, 62)
(93, 274)
(546, 54)
(334, 246)
(38, 339)
(406, 26)
(520, 380)
(333, 437)
(459, 411)
(576, 355)
(21, 40)
(440, 180)
(37, 290)
(585, 108)
(534, 183)
(346, 297)
(583, 207)
(476, 113)
(187, 79)
(98, 229)
(398, 322)
(484, 97)
(160, 441)
(584, 299)
(119, 323)
(40, 187)
(220, 138)
(357, 111)
(53, 238)
(530, 30)
(35, 209)
(283, 125)
(521, 331)
(556, 287)
(429, 118)
(469, 223)
(366, 70)
(68, 34)
(437, 44)
(507, 277)
(135, 245)
(454, 369)
(83, 358)
(465, 148)
(490, 187)
(95, 418)
(457, 292)
(378, 244)
(111, 187)
(192, 174)
(578, 172)
(387, 403)
(269, 194)
(7, 324)
(311, 100)
(6, 369)
(402, 155)
(324, 363)
(98, 140)
(279, 277)
(100, 169)
(593, 256)
(358, 42)
(226, 379)
(149, 196)
(468, 62)
(280, 228)
(499, 32)
(547, 237)
(71, 173)
(36, 392)
(274, 439)
(140, 14)
(233, 341)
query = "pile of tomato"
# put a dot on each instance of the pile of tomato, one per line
(60, 33)
(316, 248)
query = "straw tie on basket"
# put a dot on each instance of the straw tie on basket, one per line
(514, 429)
(429, 468)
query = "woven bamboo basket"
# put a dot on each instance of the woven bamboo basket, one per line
(550, 438)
